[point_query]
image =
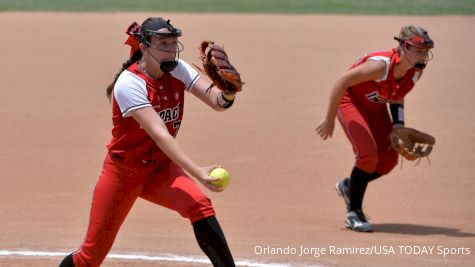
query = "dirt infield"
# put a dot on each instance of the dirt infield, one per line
(56, 122)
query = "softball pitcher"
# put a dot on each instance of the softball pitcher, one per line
(360, 98)
(143, 158)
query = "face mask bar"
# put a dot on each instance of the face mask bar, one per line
(421, 65)
(173, 32)
(168, 49)
(428, 53)
(167, 65)
(421, 43)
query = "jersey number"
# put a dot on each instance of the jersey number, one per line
(176, 127)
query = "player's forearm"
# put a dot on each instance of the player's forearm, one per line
(213, 96)
(157, 130)
(173, 150)
(219, 101)
(335, 98)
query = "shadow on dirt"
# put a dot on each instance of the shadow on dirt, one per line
(413, 229)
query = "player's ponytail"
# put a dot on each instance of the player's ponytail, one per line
(134, 58)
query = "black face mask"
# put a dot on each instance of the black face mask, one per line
(420, 66)
(168, 65)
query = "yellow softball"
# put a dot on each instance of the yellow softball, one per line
(223, 176)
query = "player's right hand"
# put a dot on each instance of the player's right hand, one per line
(204, 178)
(325, 128)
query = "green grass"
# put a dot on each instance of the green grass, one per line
(406, 7)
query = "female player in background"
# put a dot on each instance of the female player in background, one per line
(360, 98)
(143, 158)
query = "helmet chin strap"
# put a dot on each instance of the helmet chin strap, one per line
(166, 65)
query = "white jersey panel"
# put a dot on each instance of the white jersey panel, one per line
(185, 73)
(387, 61)
(416, 76)
(130, 92)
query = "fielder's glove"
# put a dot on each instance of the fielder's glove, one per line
(410, 143)
(217, 67)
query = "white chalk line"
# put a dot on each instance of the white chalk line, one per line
(139, 257)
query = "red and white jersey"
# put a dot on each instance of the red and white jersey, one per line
(386, 89)
(134, 90)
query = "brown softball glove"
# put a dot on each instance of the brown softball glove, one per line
(217, 67)
(411, 143)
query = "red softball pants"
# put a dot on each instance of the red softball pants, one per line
(119, 185)
(368, 130)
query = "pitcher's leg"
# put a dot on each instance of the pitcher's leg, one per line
(211, 240)
(115, 193)
(173, 189)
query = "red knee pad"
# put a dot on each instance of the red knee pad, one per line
(367, 163)
(202, 209)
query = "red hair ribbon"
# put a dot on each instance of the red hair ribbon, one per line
(133, 31)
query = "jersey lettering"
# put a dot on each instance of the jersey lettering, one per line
(170, 114)
(375, 97)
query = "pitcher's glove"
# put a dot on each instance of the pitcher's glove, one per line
(411, 143)
(218, 68)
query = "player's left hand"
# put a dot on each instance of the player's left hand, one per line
(217, 67)
(411, 143)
